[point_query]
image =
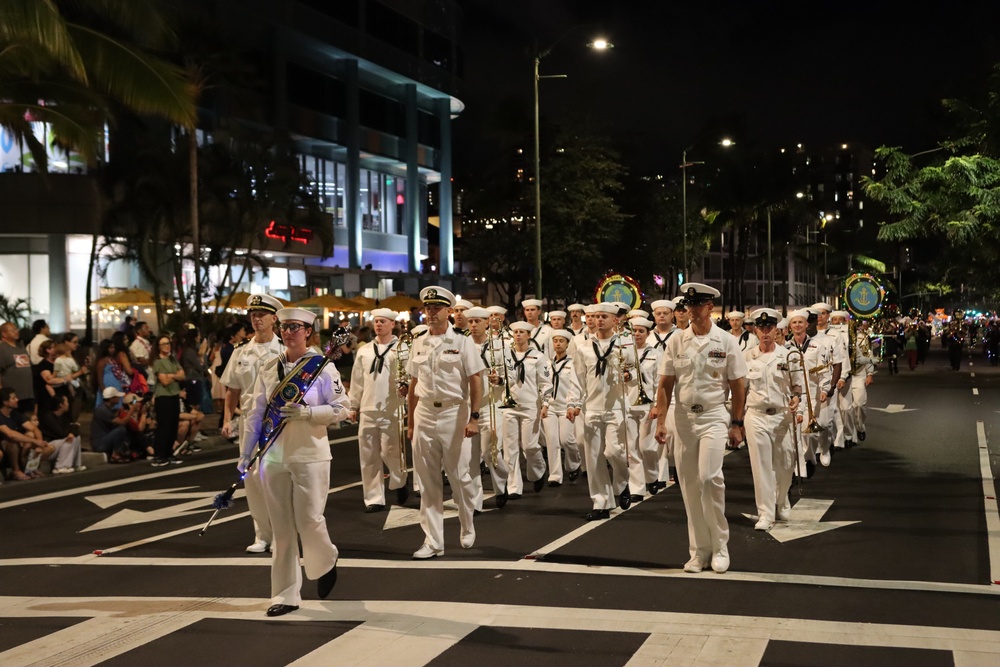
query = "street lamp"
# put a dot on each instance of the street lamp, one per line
(726, 143)
(599, 45)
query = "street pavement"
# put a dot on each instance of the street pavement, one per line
(892, 557)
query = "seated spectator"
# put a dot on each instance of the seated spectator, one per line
(189, 428)
(108, 434)
(20, 436)
(140, 426)
(64, 436)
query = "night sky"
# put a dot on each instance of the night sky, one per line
(788, 72)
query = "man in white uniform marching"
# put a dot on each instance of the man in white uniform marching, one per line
(239, 379)
(489, 444)
(531, 388)
(444, 395)
(560, 432)
(697, 370)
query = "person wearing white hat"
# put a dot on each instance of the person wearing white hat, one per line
(773, 390)
(663, 316)
(699, 367)
(539, 338)
(530, 385)
(458, 315)
(863, 372)
(375, 405)
(488, 445)
(444, 396)
(558, 429)
(836, 338)
(746, 339)
(637, 313)
(239, 378)
(576, 312)
(295, 469)
(601, 395)
(641, 381)
(813, 414)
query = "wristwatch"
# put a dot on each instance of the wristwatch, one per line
(474, 415)
(736, 422)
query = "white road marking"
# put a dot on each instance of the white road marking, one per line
(419, 631)
(894, 408)
(975, 392)
(806, 520)
(990, 504)
(131, 517)
(400, 517)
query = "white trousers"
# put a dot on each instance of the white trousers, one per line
(665, 452)
(602, 444)
(255, 499)
(296, 494)
(859, 396)
(699, 451)
(439, 442)
(66, 454)
(842, 422)
(772, 459)
(378, 445)
(520, 434)
(560, 437)
(643, 450)
(482, 451)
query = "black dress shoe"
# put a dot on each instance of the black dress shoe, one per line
(326, 583)
(539, 484)
(281, 609)
(501, 499)
(555, 484)
(402, 493)
(514, 496)
(634, 498)
(625, 499)
(861, 436)
(372, 509)
(652, 488)
(597, 515)
(573, 475)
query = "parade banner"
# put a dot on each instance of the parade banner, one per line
(863, 295)
(619, 287)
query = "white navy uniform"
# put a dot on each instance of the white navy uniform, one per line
(482, 445)
(560, 432)
(864, 367)
(819, 371)
(665, 451)
(295, 475)
(374, 394)
(531, 387)
(644, 465)
(747, 340)
(241, 374)
(837, 341)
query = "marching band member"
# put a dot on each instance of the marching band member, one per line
(444, 396)
(640, 430)
(819, 367)
(603, 433)
(746, 339)
(838, 345)
(458, 316)
(863, 374)
(663, 316)
(682, 318)
(539, 332)
(530, 385)
(239, 379)
(559, 430)
(846, 431)
(375, 397)
(557, 321)
(576, 311)
(498, 315)
(295, 470)
(489, 350)
(697, 369)
(772, 398)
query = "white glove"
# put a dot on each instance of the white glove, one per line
(242, 465)
(294, 411)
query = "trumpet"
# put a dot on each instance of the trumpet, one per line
(402, 380)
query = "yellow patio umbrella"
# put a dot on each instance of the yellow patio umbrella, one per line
(401, 303)
(363, 302)
(129, 298)
(329, 302)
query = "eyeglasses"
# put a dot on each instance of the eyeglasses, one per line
(291, 327)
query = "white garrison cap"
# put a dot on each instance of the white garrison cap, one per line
(532, 302)
(496, 310)
(841, 313)
(462, 303)
(521, 326)
(477, 312)
(765, 316)
(641, 322)
(387, 313)
(557, 313)
(638, 313)
(821, 305)
(736, 315)
(783, 324)
(801, 312)
(590, 308)
(663, 303)
(437, 296)
(562, 333)
(298, 314)
(263, 302)
(576, 306)
(419, 329)
(606, 307)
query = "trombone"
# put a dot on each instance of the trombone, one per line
(813, 426)
(494, 440)
(508, 400)
(625, 368)
(402, 380)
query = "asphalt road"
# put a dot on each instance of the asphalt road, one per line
(891, 558)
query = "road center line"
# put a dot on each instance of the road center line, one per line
(990, 504)
(975, 392)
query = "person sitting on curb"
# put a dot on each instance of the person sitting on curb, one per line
(107, 428)
(20, 436)
(64, 436)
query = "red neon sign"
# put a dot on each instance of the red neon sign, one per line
(288, 233)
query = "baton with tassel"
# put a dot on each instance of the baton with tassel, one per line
(224, 500)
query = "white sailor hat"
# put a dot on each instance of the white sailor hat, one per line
(698, 293)
(801, 312)
(606, 307)
(663, 303)
(821, 305)
(521, 326)
(437, 296)
(591, 308)
(387, 313)
(307, 317)
(763, 316)
(575, 306)
(263, 302)
(537, 303)
(622, 307)
(557, 313)
(462, 303)
(736, 315)
(783, 324)
(841, 313)
(562, 333)
(418, 330)
(477, 313)
(641, 322)
(496, 310)
(638, 313)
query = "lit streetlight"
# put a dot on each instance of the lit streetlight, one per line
(598, 45)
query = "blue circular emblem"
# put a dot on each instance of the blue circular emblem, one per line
(863, 295)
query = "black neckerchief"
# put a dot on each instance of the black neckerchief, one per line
(805, 346)
(555, 373)
(662, 342)
(534, 338)
(602, 360)
(482, 351)
(519, 364)
(378, 363)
